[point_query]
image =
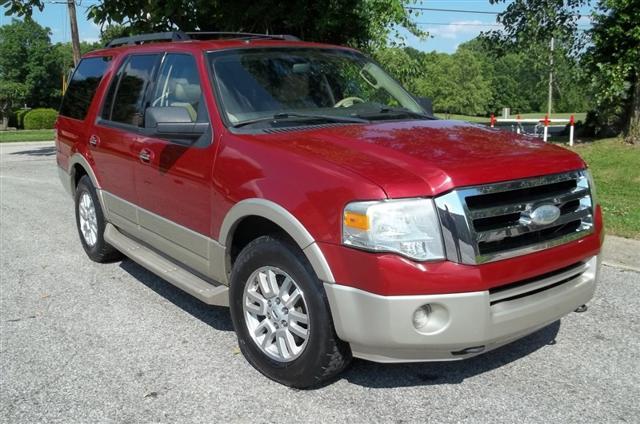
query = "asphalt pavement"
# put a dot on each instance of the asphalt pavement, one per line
(82, 342)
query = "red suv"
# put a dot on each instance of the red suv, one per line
(301, 185)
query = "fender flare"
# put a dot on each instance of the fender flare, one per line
(285, 220)
(78, 159)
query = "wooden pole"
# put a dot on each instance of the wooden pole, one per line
(550, 101)
(75, 39)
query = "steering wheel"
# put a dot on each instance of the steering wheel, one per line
(348, 101)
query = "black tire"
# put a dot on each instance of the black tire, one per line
(100, 251)
(325, 355)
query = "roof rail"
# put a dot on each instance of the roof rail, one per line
(208, 35)
(199, 35)
(145, 38)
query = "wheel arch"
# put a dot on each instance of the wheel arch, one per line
(77, 161)
(276, 215)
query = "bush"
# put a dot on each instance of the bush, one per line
(20, 113)
(40, 119)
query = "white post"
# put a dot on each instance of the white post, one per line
(571, 125)
(571, 135)
(546, 128)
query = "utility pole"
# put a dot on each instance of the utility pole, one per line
(550, 101)
(75, 40)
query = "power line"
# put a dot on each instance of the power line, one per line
(479, 24)
(434, 9)
(458, 24)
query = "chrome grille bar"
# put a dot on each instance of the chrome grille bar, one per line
(490, 222)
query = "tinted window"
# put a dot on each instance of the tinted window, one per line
(178, 85)
(128, 103)
(82, 86)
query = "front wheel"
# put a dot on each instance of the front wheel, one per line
(281, 315)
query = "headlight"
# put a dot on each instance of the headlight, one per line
(409, 227)
(592, 187)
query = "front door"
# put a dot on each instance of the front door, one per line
(173, 176)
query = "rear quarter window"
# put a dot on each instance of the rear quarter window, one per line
(83, 86)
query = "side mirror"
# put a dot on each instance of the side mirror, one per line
(173, 123)
(426, 104)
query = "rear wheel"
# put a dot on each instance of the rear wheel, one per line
(91, 223)
(281, 315)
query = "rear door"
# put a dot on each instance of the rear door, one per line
(114, 141)
(74, 111)
(173, 177)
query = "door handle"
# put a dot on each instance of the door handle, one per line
(145, 155)
(94, 140)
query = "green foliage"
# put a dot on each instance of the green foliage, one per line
(111, 32)
(362, 23)
(531, 21)
(614, 62)
(482, 77)
(20, 117)
(11, 94)
(39, 119)
(21, 7)
(26, 57)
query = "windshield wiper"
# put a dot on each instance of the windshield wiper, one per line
(303, 116)
(397, 111)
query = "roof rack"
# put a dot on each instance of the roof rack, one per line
(199, 35)
(146, 38)
(208, 35)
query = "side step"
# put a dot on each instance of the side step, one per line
(207, 292)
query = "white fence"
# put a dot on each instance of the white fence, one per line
(546, 121)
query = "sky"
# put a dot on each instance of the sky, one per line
(447, 29)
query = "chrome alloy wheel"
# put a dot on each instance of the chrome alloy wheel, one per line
(88, 219)
(276, 314)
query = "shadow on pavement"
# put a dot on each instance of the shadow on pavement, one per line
(364, 373)
(373, 375)
(43, 151)
(216, 316)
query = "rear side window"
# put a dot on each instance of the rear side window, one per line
(126, 96)
(83, 86)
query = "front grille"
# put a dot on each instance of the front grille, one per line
(498, 221)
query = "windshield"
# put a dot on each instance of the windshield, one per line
(255, 85)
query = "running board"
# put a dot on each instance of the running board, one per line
(209, 293)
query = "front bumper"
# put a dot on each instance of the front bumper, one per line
(461, 325)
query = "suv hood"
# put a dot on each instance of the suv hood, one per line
(426, 158)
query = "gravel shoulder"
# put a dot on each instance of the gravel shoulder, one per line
(82, 342)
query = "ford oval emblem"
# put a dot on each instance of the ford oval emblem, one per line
(545, 214)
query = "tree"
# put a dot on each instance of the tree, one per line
(527, 21)
(11, 94)
(111, 32)
(362, 23)
(21, 7)
(26, 57)
(614, 60)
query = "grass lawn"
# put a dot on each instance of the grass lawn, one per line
(26, 135)
(616, 169)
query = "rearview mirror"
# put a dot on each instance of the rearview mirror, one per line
(426, 104)
(173, 123)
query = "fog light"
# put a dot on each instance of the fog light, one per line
(421, 316)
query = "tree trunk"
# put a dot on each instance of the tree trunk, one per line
(632, 133)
